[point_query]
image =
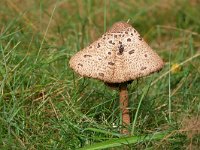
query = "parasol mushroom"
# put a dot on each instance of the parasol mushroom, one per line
(118, 57)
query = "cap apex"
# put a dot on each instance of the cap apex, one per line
(119, 26)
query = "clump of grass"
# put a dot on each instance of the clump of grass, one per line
(191, 127)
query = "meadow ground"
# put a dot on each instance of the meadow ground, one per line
(45, 105)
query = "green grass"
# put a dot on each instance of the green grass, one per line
(45, 105)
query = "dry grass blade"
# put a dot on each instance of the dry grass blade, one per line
(181, 64)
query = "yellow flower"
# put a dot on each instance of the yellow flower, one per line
(175, 68)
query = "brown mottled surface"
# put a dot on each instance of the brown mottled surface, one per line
(118, 56)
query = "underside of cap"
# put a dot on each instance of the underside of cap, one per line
(120, 55)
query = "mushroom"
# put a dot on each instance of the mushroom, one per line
(117, 58)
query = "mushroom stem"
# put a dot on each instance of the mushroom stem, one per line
(123, 101)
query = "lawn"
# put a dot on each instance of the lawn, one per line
(45, 105)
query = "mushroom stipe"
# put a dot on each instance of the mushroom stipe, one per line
(117, 58)
(123, 102)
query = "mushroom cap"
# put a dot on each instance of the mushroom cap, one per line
(120, 55)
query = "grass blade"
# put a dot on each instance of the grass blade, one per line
(124, 141)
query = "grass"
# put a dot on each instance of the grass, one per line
(44, 105)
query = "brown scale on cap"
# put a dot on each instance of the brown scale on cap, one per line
(119, 27)
(122, 45)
